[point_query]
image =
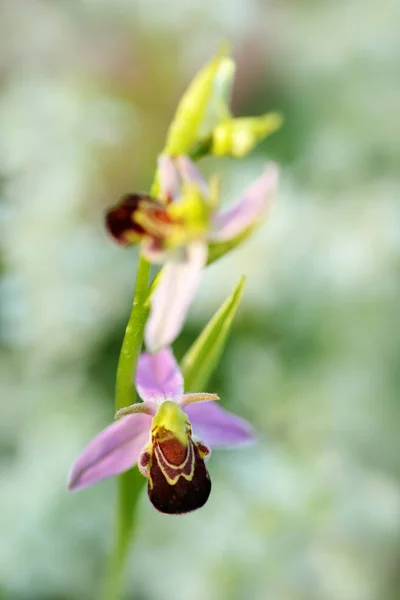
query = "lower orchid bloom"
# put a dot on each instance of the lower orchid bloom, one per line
(176, 230)
(168, 435)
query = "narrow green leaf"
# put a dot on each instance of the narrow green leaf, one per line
(203, 356)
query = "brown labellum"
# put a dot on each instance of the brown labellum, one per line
(178, 479)
(121, 222)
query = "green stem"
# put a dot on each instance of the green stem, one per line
(132, 344)
(130, 483)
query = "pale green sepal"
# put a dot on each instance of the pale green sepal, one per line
(184, 129)
(203, 356)
(237, 137)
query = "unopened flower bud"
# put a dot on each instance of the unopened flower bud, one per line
(237, 137)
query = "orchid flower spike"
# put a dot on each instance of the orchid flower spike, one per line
(176, 229)
(168, 435)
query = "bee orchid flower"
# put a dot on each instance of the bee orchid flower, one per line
(176, 230)
(168, 435)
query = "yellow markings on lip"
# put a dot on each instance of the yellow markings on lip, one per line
(178, 481)
(171, 426)
(178, 469)
(178, 478)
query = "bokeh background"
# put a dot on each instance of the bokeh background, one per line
(312, 512)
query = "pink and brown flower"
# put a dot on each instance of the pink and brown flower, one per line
(176, 230)
(168, 435)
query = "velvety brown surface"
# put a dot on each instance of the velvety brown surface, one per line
(184, 496)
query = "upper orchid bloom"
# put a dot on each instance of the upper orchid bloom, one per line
(177, 229)
(168, 435)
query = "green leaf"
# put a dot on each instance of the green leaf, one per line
(203, 356)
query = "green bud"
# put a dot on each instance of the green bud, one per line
(237, 137)
(184, 129)
(218, 106)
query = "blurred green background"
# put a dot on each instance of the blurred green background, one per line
(312, 512)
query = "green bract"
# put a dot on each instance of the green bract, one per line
(203, 356)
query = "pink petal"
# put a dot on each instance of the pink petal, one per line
(190, 174)
(171, 299)
(249, 209)
(158, 375)
(169, 178)
(112, 451)
(217, 427)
